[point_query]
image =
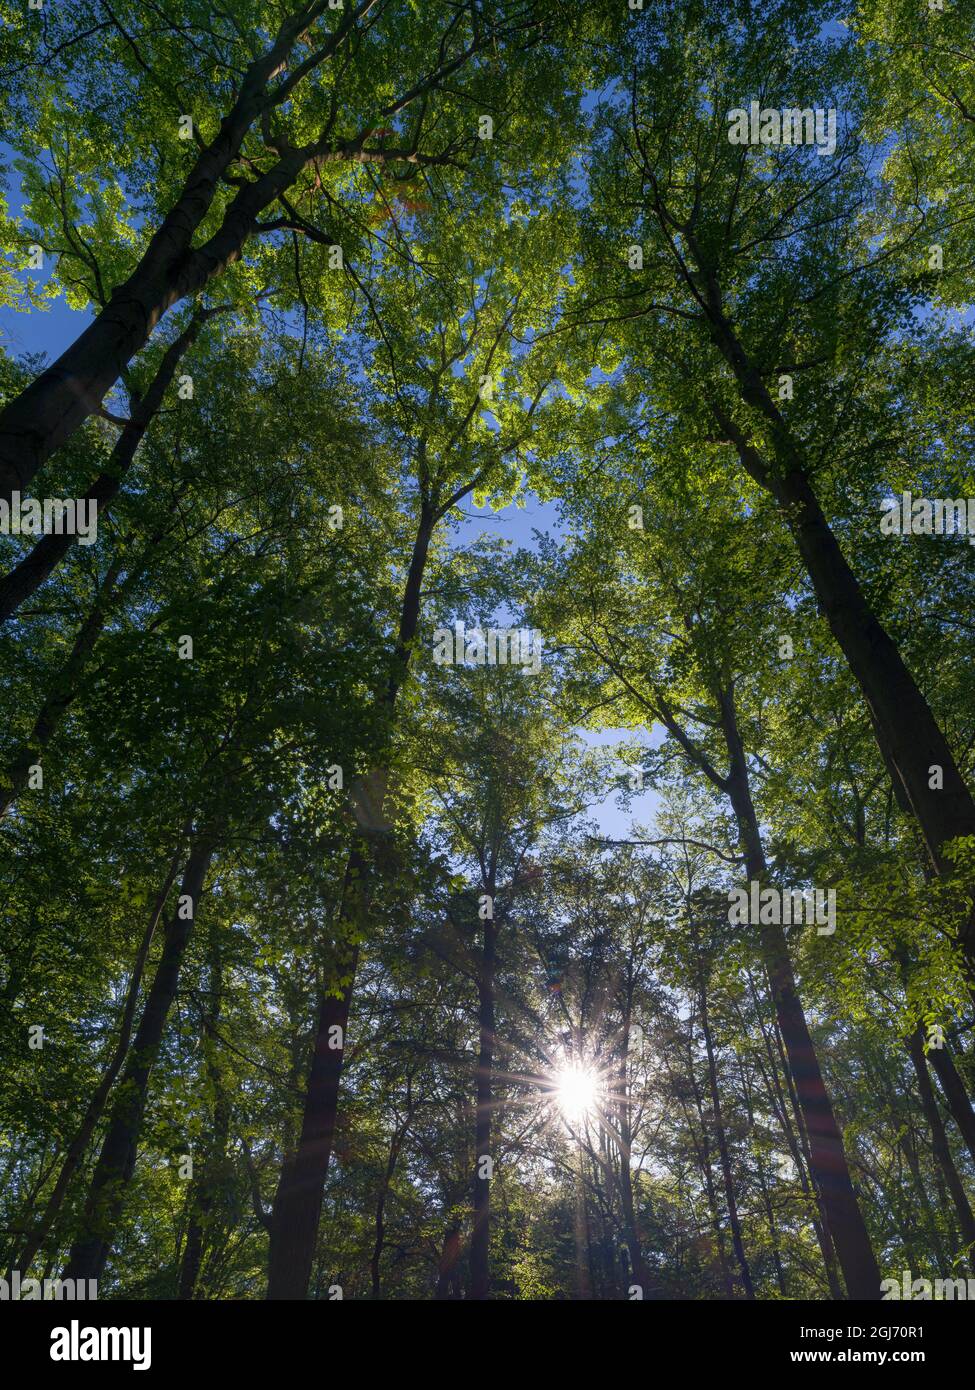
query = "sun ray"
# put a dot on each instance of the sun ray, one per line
(576, 1091)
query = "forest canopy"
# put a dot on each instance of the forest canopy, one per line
(487, 749)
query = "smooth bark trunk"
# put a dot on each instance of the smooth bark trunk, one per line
(797, 1143)
(939, 1142)
(640, 1272)
(481, 1233)
(64, 395)
(907, 732)
(827, 1159)
(204, 1190)
(50, 550)
(703, 1154)
(62, 694)
(298, 1201)
(116, 1161)
(395, 1147)
(448, 1268)
(724, 1156)
(955, 1094)
(79, 1143)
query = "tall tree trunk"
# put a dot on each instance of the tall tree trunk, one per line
(939, 1141)
(63, 691)
(638, 1265)
(582, 1281)
(907, 732)
(703, 1154)
(724, 1156)
(795, 1136)
(448, 1272)
(205, 1187)
(481, 1233)
(50, 550)
(955, 1095)
(827, 1160)
(379, 1223)
(201, 1201)
(828, 1166)
(116, 1161)
(68, 681)
(924, 1226)
(952, 1085)
(298, 1201)
(64, 395)
(79, 1143)
(395, 1148)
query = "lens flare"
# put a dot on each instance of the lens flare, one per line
(576, 1091)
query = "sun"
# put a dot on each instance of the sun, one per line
(576, 1091)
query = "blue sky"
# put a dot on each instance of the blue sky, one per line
(519, 525)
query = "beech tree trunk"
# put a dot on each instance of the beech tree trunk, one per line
(908, 734)
(638, 1265)
(62, 397)
(448, 1271)
(79, 1143)
(827, 1159)
(738, 1244)
(116, 1161)
(375, 1260)
(955, 1095)
(298, 1201)
(205, 1187)
(50, 550)
(795, 1138)
(703, 1154)
(62, 693)
(481, 1232)
(939, 1141)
